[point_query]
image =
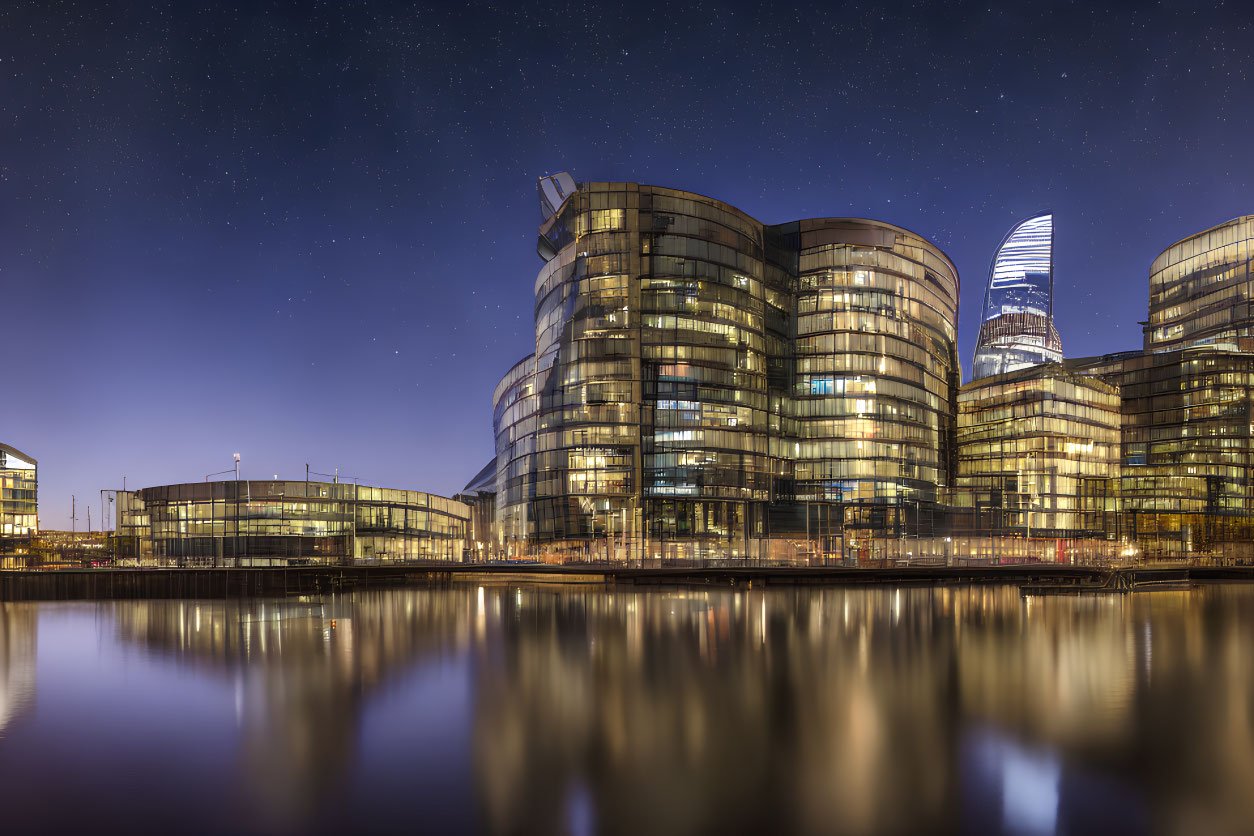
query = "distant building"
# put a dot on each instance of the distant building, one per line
(19, 495)
(1201, 291)
(1017, 319)
(280, 523)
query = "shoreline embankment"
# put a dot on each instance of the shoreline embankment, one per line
(123, 584)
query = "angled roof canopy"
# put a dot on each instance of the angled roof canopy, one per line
(11, 457)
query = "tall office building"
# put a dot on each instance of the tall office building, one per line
(703, 383)
(875, 374)
(1017, 323)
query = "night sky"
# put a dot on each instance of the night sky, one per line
(305, 232)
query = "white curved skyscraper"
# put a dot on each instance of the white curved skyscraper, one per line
(1017, 325)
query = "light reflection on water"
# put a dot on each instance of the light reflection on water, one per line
(547, 709)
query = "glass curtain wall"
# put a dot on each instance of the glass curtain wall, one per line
(708, 471)
(1187, 484)
(1038, 453)
(876, 373)
(515, 406)
(586, 382)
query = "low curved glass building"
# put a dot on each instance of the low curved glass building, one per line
(277, 523)
(703, 384)
(1017, 319)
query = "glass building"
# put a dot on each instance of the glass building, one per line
(19, 496)
(276, 523)
(1187, 450)
(1038, 453)
(703, 384)
(1187, 441)
(1188, 447)
(1200, 290)
(1017, 319)
(707, 387)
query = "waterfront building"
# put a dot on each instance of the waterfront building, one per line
(19, 499)
(281, 523)
(1200, 290)
(1038, 453)
(875, 375)
(1187, 451)
(704, 384)
(1017, 319)
(708, 387)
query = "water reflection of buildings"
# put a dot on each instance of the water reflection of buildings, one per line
(779, 710)
(303, 670)
(18, 630)
(744, 712)
(859, 710)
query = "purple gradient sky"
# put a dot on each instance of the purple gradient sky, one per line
(305, 231)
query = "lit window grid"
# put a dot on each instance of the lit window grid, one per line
(1033, 444)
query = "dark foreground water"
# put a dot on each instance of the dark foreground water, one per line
(555, 710)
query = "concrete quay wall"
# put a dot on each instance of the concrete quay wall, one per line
(121, 584)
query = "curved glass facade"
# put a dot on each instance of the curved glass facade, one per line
(707, 463)
(876, 371)
(1200, 291)
(700, 381)
(287, 523)
(1016, 322)
(514, 421)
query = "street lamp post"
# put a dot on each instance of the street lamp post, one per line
(235, 536)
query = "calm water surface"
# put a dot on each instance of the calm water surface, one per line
(541, 709)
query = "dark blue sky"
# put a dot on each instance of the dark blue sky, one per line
(305, 231)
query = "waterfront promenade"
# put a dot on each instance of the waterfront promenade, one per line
(108, 584)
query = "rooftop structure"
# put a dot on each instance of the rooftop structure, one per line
(1016, 322)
